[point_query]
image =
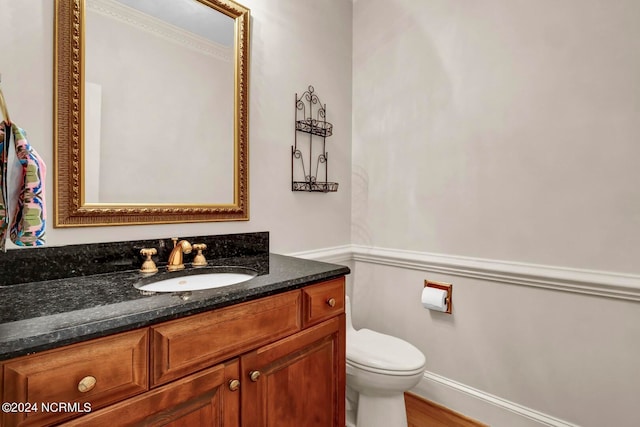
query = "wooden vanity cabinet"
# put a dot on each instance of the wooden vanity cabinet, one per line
(278, 361)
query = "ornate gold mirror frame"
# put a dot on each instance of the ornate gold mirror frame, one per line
(69, 204)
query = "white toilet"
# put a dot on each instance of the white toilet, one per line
(380, 368)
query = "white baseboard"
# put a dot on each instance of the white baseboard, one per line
(512, 414)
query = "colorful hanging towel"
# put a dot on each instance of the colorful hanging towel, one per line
(5, 138)
(24, 204)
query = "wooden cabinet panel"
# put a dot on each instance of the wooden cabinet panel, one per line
(118, 363)
(183, 346)
(202, 399)
(322, 301)
(301, 379)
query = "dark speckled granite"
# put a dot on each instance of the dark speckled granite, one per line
(45, 314)
(49, 263)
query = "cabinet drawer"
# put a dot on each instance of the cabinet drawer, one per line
(322, 301)
(183, 346)
(117, 363)
(201, 399)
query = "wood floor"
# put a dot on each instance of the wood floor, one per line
(424, 413)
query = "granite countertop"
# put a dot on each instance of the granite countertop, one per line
(42, 315)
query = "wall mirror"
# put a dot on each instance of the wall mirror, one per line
(151, 111)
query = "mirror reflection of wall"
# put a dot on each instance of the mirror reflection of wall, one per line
(159, 116)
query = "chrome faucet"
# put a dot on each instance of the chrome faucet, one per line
(175, 257)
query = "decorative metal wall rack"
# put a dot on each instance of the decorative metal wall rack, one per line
(313, 124)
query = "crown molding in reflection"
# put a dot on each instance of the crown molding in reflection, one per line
(141, 21)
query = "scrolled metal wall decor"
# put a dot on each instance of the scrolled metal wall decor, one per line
(313, 124)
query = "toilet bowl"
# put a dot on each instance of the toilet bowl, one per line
(380, 368)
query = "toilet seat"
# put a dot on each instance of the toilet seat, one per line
(383, 354)
(394, 373)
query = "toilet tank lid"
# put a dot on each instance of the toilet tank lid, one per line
(370, 348)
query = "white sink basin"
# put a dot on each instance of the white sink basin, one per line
(196, 281)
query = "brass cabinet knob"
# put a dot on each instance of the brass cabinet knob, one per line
(254, 375)
(87, 384)
(234, 385)
(331, 302)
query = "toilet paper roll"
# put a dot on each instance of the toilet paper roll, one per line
(434, 299)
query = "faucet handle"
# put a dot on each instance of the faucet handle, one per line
(199, 260)
(148, 266)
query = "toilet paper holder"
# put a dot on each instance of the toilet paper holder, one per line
(445, 287)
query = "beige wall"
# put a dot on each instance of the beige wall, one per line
(503, 130)
(294, 44)
(500, 129)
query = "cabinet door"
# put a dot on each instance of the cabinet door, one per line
(199, 400)
(297, 381)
